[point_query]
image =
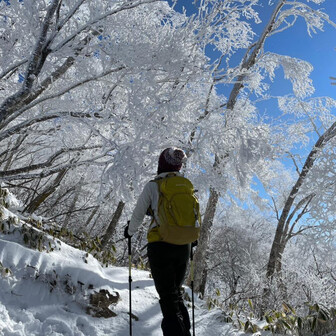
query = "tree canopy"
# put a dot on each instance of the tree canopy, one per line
(91, 92)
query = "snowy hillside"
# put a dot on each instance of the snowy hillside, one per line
(55, 289)
(49, 294)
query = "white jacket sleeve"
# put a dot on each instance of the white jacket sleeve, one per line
(145, 200)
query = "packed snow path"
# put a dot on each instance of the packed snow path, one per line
(46, 294)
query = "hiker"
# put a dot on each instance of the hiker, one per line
(168, 261)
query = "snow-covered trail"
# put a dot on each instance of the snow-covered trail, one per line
(47, 294)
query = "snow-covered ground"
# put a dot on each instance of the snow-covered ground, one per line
(48, 293)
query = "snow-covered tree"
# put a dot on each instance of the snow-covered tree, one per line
(95, 91)
(307, 203)
(250, 79)
(91, 92)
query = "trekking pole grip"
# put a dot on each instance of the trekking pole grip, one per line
(129, 246)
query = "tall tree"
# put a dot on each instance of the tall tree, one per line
(310, 187)
(246, 79)
(92, 93)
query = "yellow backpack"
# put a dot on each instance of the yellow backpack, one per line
(178, 210)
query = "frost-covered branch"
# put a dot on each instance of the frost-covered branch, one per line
(206, 109)
(41, 51)
(275, 207)
(59, 94)
(305, 201)
(294, 162)
(12, 68)
(24, 125)
(123, 7)
(311, 120)
(52, 171)
(34, 66)
(46, 164)
(71, 212)
(71, 13)
(251, 56)
(280, 231)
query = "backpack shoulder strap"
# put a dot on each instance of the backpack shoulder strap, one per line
(156, 180)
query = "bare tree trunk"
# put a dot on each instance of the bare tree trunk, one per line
(203, 243)
(87, 223)
(10, 154)
(73, 203)
(93, 213)
(94, 223)
(37, 201)
(113, 224)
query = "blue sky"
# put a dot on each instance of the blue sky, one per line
(319, 50)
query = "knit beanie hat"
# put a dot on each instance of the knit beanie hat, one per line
(171, 159)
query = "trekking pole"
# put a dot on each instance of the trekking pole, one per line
(130, 283)
(192, 288)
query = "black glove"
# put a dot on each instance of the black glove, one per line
(126, 235)
(194, 244)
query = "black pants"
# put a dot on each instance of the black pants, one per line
(168, 264)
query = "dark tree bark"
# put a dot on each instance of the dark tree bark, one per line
(49, 190)
(113, 224)
(203, 243)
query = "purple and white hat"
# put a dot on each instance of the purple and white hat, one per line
(171, 159)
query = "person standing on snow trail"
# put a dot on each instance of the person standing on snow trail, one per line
(168, 261)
